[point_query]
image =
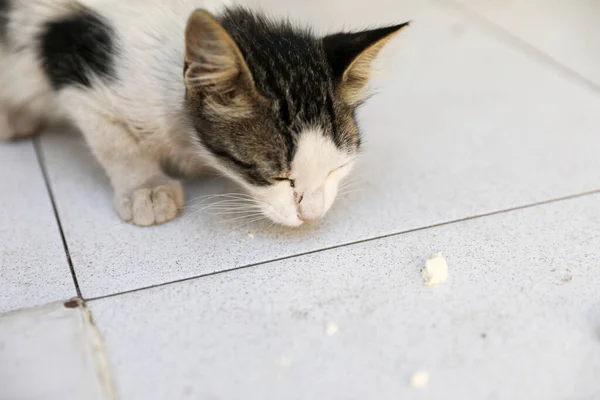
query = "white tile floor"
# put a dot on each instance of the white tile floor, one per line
(33, 264)
(506, 325)
(483, 108)
(564, 31)
(52, 352)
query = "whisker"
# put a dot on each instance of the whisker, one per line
(249, 222)
(226, 195)
(229, 212)
(242, 217)
(190, 216)
(226, 210)
(236, 208)
(218, 205)
(349, 184)
(226, 203)
(239, 196)
(217, 201)
(241, 205)
(345, 192)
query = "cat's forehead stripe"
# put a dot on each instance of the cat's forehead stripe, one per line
(288, 66)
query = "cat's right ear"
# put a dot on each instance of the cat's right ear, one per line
(350, 56)
(214, 66)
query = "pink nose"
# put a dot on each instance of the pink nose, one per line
(309, 208)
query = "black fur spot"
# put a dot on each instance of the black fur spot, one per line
(5, 6)
(77, 46)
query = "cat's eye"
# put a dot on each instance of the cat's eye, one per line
(338, 168)
(291, 181)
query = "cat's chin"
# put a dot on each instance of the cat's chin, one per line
(294, 225)
(292, 221)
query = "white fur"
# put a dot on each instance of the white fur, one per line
(317, 169)
(130, 125)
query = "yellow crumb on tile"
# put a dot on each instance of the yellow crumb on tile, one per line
(331, 329)
(419, 379)
(284, 362)
(435, 270)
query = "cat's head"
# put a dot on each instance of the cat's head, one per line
(275, 106)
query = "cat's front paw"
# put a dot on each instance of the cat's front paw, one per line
(152, 204)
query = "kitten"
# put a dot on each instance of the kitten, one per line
(158, 86)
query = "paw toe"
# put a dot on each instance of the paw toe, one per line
(177, 192)
(148, 206)
(143, 209)
(165, 206)
(124, 208)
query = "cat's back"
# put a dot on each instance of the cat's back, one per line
(138, 23)
(124, 56)
(137, 42)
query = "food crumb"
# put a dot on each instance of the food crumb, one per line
(284, 362)
(419, 379)
(331, 329)
(435, 271)
(251, 236)
(567, 277)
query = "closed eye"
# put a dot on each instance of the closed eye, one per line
(338, 168)
(291, 181)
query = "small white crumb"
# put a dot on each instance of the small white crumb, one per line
(331, 329)
(284, 362)
(567, 277)
(435, 271)
(251, 236)
(419, 379)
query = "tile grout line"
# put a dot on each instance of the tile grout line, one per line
(42, 164)
(372, 239)
(521, 44)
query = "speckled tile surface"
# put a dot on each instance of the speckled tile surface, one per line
(33, 265)
(52, 353)
(462, 125)
(518, 318)
(466, 121)
(566, 31)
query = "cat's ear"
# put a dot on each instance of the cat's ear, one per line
(214, 66)
(350, 56)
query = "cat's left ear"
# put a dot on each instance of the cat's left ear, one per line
(215, 68)
(350, 56)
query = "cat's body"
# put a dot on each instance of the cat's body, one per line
(154, 87)
(142, 116)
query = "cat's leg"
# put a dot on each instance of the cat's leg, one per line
(27, 101)
(18, 122)
(14, 127)
(144, 195)
(6, 131)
